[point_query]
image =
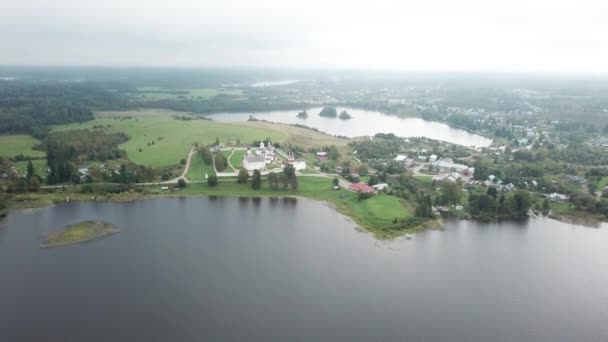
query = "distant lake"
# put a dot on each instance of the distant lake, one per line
(229, 269)
(366, 123)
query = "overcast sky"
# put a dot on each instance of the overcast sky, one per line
(486, 35)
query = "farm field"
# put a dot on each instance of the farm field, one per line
(158, 140)
(14, 144)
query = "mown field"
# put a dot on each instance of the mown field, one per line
(237, 158)
(158, 140)
(12, 145)
(198, 169)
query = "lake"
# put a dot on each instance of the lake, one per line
(366, 123)
(229, 269)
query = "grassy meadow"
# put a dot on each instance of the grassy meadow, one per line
(158, 140)
(198, 169)
(14, 144)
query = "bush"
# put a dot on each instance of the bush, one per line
(181, 183)
(212, 180)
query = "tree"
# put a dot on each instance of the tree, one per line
(243, 176)
(363, 171)
(592, 187)
(336, 181)
(424, 208)
(212, 180)
(181, 183)
(33, 184)
(373, 180)
(217, 141)
(30, 169)
(221, 162)
(182, 161)
(206, 154)
(256, 181)
(290, 173)
(273, 180)
(546, 206)
(283, 180)
(451, 193)
(523, 202)
(492, 192)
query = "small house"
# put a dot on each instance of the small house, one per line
(362, 187)
(380, 186)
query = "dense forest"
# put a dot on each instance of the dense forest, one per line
(30, 108)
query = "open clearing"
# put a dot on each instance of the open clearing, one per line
(164, 141)
(14, 144)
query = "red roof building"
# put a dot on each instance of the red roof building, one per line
(361, 187)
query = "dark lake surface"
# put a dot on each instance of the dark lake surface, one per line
(228, 269)
(366, 123)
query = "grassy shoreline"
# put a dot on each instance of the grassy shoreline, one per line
(375, 214)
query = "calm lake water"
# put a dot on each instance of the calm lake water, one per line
(204, 269)
(366, 123)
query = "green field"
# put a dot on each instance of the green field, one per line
(156, 93)
(172, 138)
(39, 166)
(198, 169)
(12, 145)
(227, 155)
(237, 158)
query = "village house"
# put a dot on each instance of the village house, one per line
(447, 164)
(321, 156)
(575, 179)
(380, 186)
(558, 197)
(362, 187)
(298, 164)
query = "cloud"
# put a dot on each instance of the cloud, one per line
(412, 35)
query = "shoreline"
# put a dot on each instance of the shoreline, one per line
(378, 233)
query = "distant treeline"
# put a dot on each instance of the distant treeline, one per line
(30, 108)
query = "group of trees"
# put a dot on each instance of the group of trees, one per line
(65, 149)
(285, 179)
(31, 107)
(489, 205)
(30, 181)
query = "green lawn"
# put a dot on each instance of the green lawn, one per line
(308, 171)
(39, 166)
(198, 169)
(237, 158)
(11, 145)
(227, 154)
(172, 138)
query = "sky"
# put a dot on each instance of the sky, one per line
(437, 35)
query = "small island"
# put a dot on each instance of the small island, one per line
(78, 233)
(345, 116)
(329, 112)
(302, 115)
